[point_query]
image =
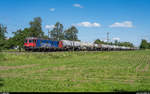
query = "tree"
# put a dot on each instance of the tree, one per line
(98, 41)
(9, 43)
(116, 42)
(144, 44)
(71, 33)
(110, 43)
(3, 31)
(19, 37)
(127, 44)
(149, 45)
(36, 28)
(45, 37)
(57, 32)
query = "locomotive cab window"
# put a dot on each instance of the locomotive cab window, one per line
(25, 41)
(30, 41)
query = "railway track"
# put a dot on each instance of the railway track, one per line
(22, 52)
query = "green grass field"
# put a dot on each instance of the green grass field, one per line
(75, 71)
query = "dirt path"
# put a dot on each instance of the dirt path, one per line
(17, 67)
(137, 68)
(10, 75)
(146, 67)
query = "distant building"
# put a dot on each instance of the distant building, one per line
(17, 47)
(6, 38)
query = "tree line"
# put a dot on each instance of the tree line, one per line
(3, 31)
(126, 44)
(57, 33)
(35, 30)
(145, 44)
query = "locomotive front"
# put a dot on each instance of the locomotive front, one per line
(30, 43)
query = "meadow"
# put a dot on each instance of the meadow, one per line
(75, 71)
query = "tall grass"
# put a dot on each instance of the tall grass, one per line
(75, 71)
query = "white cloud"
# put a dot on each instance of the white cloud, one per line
(52, 9)
(127, 24)
(49, 26)
(88, 24)
(105, 40)
(116, 38)
(145, 37)
(77, 5)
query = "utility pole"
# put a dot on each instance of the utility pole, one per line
(107, 37)
(73, 43)
(48, 33)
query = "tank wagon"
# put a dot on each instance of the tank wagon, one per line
(39, 44)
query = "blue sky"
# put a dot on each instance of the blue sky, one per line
(125, 20)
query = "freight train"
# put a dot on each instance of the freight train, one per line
(39, 44)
